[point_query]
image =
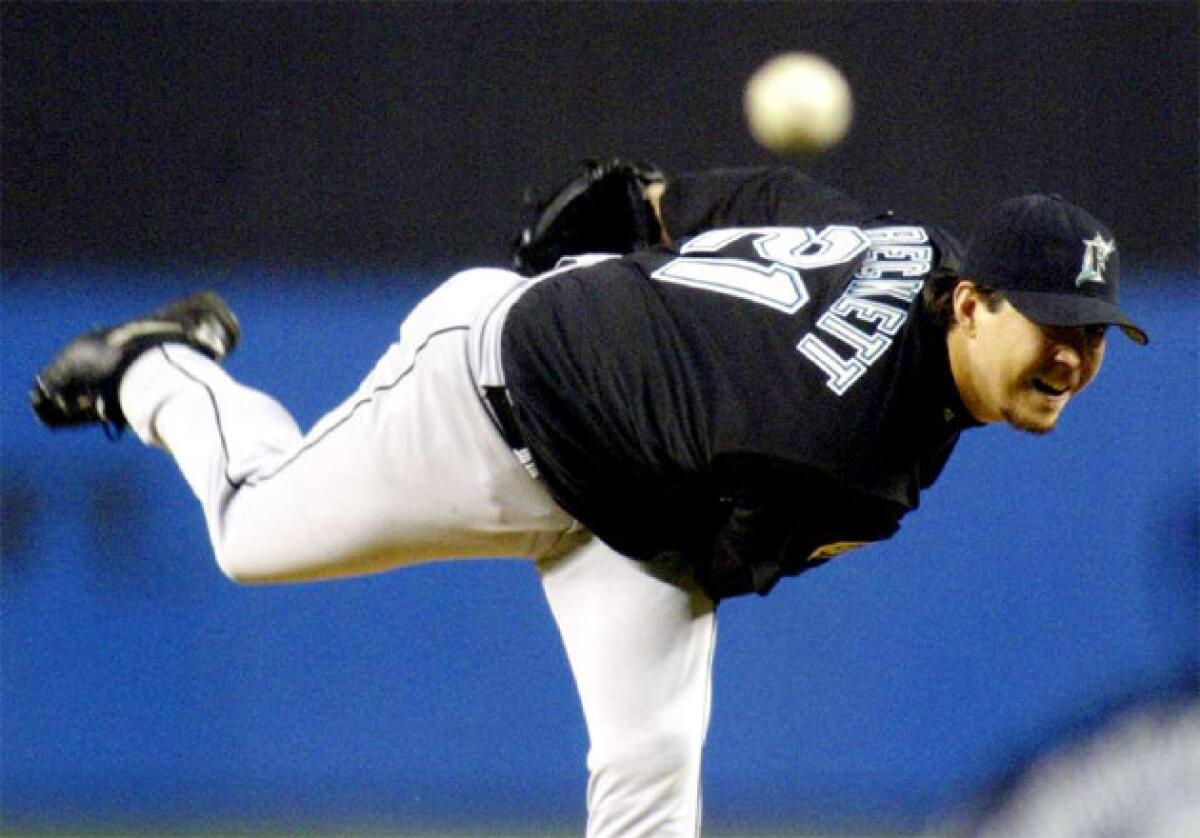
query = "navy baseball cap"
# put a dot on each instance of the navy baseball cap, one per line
(1054, 262)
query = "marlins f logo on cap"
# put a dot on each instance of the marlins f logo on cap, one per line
(1097, 253)
(1054, 262)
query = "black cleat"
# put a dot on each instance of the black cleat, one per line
(79, 387)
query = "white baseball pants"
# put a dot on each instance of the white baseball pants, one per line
(412, 468)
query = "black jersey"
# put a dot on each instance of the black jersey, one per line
(756, 195)
(757, 398)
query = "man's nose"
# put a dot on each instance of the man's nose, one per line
(1070, 348)
(1068, 355)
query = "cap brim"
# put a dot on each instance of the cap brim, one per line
(1074, 310)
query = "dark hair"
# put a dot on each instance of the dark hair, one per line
(938, 296)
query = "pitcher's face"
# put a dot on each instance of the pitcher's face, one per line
(1023, 372)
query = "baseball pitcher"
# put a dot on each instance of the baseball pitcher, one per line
(687, 389)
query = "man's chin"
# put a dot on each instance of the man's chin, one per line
(1031, 424)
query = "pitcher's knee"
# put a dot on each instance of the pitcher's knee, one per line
(238, 567)
(646, 787)
(249, 557)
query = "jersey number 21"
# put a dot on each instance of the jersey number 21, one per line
(777, 281)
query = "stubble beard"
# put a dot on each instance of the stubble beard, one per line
(1022, 421)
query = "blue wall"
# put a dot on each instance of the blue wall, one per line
(1040, 577)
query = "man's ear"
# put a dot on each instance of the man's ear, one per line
(966, 302)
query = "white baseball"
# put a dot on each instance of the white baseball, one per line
(798, 103)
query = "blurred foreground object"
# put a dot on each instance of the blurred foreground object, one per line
(1137, 774)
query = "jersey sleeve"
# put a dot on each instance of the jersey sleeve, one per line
(752, 196)
(784, 520)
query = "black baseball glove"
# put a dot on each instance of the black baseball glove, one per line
(603, 209)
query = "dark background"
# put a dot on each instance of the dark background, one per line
(403, 134)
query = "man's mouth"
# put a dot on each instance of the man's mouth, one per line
(1045, 387)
